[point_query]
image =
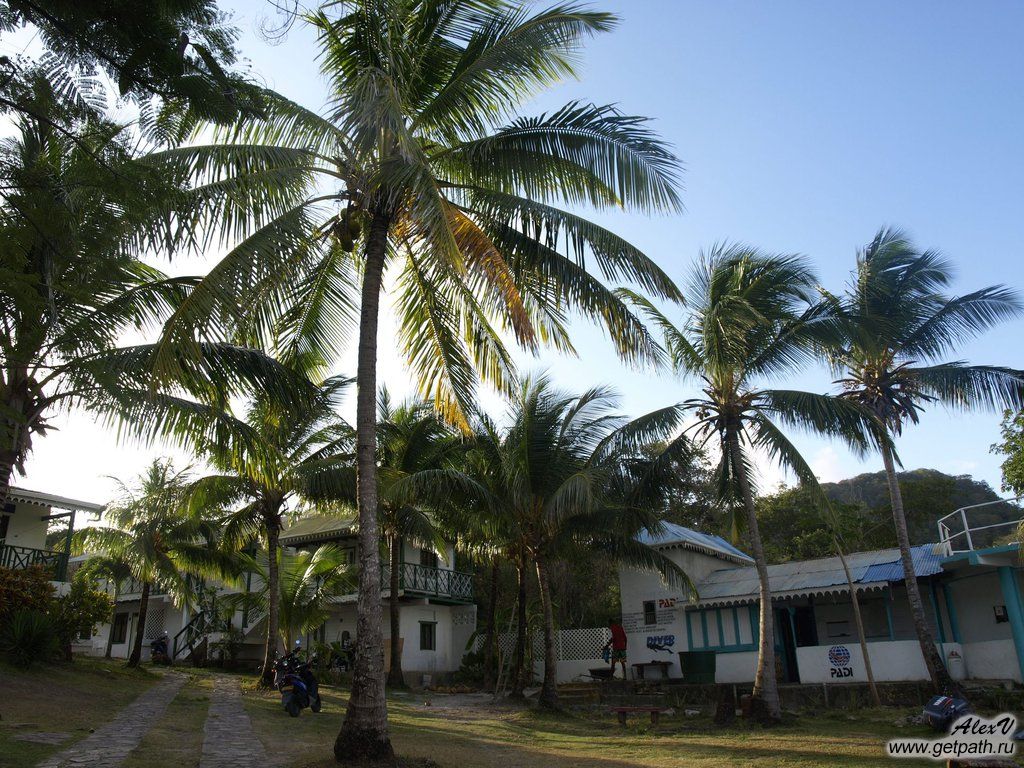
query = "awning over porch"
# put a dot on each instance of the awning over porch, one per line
(868, 571)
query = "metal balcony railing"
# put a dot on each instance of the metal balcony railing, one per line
(980, 526)
(15, 557)
(431, 582)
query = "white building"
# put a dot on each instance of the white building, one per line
(971, 592)
(438, 615)
(26, 520)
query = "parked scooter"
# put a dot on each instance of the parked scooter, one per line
(158, 651)
(298, 685)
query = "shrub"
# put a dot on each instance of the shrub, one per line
(25, 589)
(79, 611)
(229, 647)
(28, 636)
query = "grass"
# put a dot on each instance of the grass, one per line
(176, 739)
(453, 731)
(467, 736)
(71, 698)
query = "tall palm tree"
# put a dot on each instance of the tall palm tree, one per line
(421, 166)
(753, 319)
(77, 207)
(151, 535)
(901, 326)
(571, 476)
(280, 459)
(308, 581)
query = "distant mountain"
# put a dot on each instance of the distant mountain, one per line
(928, 495)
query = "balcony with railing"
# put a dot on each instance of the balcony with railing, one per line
(981, 527)
(440, 584)
(15, 557)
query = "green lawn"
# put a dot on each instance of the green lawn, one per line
(462, 737)
(69, 698)
(455, 732)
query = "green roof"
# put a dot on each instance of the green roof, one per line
(317, 529)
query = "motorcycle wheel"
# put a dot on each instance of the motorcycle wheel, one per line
(316, 704)
(291, 706)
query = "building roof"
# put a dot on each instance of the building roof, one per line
(40, 499)
(318, 528)
(672, 535)
(868, 570)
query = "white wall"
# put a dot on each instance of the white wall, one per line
(636, 587)
(896, 660)
(992, 660)
(26, 527)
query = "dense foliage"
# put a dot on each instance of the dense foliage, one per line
(1012, 447)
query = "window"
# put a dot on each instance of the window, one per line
(428, 635)
(428, 557)
(650, 612)
(119, 632)
(5, 520)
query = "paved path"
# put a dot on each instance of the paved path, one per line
(110, 744)
(228, 737)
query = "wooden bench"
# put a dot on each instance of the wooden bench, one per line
(621, 712)
(660, 669)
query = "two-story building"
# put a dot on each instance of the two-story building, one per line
(437, 620)
(971, 588)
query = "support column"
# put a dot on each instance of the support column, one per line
(1008, 581)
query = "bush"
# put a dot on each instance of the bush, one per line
(229, 647)
(79, 611)
(28, 636)
(25, 589)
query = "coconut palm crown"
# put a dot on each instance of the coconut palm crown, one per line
(754, 317)
(421, 166)
(901, 327)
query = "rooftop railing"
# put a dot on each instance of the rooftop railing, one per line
(981, 526)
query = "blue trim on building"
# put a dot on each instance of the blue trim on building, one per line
(954, 626)
(1014, 610)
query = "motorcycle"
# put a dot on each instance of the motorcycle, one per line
(298, 686)
(158, 653)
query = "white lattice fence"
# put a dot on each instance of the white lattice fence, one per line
(571, 644)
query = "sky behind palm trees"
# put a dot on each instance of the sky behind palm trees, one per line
(804, 127)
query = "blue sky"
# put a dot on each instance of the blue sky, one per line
(804, 127)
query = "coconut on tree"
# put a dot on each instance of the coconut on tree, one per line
(423, 181)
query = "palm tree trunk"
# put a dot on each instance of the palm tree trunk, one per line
(364, 733)
(941, 680)
(519, 658)
(860, 626)
(549, 689)
(490, 627)
(7, 461)
(766, 687)
(273, 601)
(110, 633)
(395, 677)
(136, 655)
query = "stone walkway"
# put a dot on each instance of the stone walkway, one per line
(110, 744)
(228, 737)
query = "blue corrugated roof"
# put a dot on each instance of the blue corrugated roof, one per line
(679, 534)
(821, 575)
(926, 563)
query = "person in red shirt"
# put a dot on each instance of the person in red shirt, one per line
(618, 646)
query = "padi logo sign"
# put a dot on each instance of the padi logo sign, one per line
(839, 658)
